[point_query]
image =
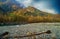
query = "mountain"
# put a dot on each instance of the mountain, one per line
(28, 15)
(32, 11)
(9, 6)
(31, 14)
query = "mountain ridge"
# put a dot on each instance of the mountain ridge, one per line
(31, 9)
(28, 15)
(10, 5)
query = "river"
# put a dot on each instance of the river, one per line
(34, 27)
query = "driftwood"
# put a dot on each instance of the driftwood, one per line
(30, 35)
(4, 35)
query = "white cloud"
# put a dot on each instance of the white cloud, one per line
(42, 5)
(50, 11)
(45, 7)
(25, 2)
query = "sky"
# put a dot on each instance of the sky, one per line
(50, 6)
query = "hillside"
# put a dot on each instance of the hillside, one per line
(29, 15)
(32, 11)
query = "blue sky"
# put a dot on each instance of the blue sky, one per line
(50, 6)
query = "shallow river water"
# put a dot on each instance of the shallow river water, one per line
(34, 27)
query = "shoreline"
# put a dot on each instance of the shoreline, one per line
(29, 23)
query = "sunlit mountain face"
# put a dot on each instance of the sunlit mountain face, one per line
(50, 6)
(10, 5)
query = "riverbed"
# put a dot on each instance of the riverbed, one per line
(34, 27)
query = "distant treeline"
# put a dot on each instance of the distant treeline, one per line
(16, 19)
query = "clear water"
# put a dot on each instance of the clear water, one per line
(35, 27)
